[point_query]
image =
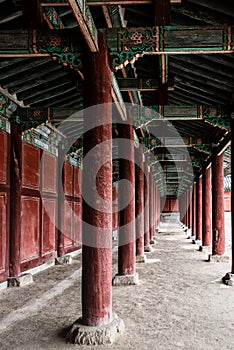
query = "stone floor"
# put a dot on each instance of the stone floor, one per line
(180, 303)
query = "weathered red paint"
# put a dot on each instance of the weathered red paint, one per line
(191, 206)
(151, 209)
(139, 201)
(194, 209)
(232, 194)
(15, 207)
(126, 250)
(60, 240)
(199, 209)
(218, 233)
(206, 207)
(146, 201)
(97, 261)
(4, 204)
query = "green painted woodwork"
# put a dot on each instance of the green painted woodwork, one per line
(127, 44)
(216, 116)
(53, 17)
(203, 148)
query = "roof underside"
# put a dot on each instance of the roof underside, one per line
(195, 80)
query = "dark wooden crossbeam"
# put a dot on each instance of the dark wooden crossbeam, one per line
(162, 12)
(137, 84)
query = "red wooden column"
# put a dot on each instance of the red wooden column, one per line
(127, 247)
(191, 206)
(147, 247)
(15, 202)
(60, 244)
(194, 210)
(151, 207)
(139, 204)
(199, 209)
(218, 233)
(206, 207)
(232, 194)
(97, 205)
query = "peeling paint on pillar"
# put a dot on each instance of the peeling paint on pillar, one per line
(199, 209)
(15, 206)
(218, 243)
(206, 207)
(127, 247)
(97, 261)
(146, 201)
(232, 192)
(139, 198)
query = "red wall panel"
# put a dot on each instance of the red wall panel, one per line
(30, 228)
(68, 178)
(68, 216)
(49, 207)
(30, 166)
(3, 157)
(77, 223)
(49, 175)
(77, 182)
(3, 230)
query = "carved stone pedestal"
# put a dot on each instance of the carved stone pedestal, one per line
(20, 281)
(125, 280)
(98, 335)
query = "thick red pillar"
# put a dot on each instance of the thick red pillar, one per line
(146, 201)
(151, 206)
(126, 249)
(139, 198)
(232, 194)
(218, 233)
(199, 209)
(206, 207)
(60, 243)
(191, 207)
(15, 203)
(194, 209)
(97, 215)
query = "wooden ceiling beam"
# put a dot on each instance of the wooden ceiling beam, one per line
(138, 84)
(162, 10)
(125, 2)
(198, 78)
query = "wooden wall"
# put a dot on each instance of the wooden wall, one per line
(4, 204)
(39, 207)
(171, 205)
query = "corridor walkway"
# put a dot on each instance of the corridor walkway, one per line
(179, 304)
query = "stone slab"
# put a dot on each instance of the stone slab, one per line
(64, 260)
(228, 279)
(125, 280)
(141, 258)
(20, 281)
(148, 249)
(100, 335)
(218, 258)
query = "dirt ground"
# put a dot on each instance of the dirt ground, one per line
(180, 303)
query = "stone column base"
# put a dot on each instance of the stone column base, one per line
(64, 260)
(153, 241)
(228, 279)
(20, 281)
(98, 335)
(125, 280)
(148, 249)
(218, 258)
(141, 258)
